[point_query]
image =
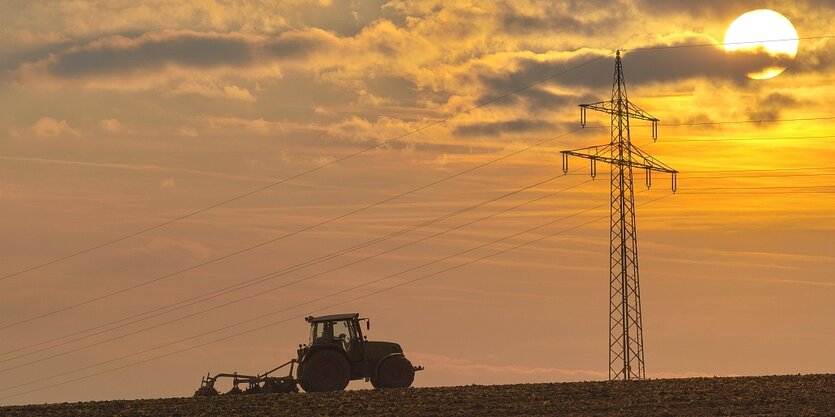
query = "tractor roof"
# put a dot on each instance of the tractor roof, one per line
(345, 316)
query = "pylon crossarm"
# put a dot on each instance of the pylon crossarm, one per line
(589, 152)
(648, 161)
(593, 153)
(636, 112)
(610, 107)
(641, 161)
(601, 106)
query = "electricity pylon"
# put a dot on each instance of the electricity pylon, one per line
(626, 340)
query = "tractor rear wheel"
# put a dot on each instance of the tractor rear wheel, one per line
(326, 370)
(394, 372)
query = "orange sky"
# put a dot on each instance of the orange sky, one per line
(123, 115)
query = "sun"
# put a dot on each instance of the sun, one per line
(766, 30)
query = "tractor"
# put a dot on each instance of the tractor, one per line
(336, 354)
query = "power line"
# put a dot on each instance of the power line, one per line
(727, 122)
(272, 324)
(363, 209)
(757, 193)
(260, 293)
(362, 151)
(411, 269)
(235, 287)
(336, 161)
(742, 177)
(765, 170)
(303, 173)
(145, 283)
(286, 235)
(756, 139)
(698, 45)
(799, 119)
(279, 273)
(774, 187)
(143, 361)
(136, 318)
(739, 177)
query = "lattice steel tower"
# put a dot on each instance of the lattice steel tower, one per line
(626, 340)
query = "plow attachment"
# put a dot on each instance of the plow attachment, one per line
(254, 384)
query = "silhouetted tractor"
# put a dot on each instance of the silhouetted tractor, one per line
(336, 354)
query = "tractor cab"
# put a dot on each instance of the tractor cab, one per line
(341, 330)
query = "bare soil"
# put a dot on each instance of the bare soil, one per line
(791, 395)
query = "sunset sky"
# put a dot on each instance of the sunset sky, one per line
(120, 116)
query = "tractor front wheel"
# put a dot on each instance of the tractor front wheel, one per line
(326, 370)
(394, 372)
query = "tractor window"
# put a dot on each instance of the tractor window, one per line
(322, 332)
(342, 333)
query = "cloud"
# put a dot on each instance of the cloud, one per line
(498, 128)
(112, 125)
(298, 44)
(188, 131)
(150, 169)
(815, 56)
(771, 107)
(564, 17)
(700, 8)
(156, 59)
(152, 51)
(91, 18)
(212, 89)
(235, 125)
(534, 98)
(359, 129)
(47, 127)
(584, 70)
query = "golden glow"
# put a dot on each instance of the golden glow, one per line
(766, 30)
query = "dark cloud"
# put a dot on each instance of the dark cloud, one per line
(701, 8)
(779, 100)
(818, 60)
(663, 65)
(590, 70)
(153, 51)
(296, 44)
(530, 71)
(396, 89)
(534, 99)
(771, 106)
(560, 17)
(497, 128)
(517, 23)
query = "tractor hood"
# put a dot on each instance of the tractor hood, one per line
(378, 350)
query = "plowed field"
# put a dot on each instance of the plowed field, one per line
(808, 395)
